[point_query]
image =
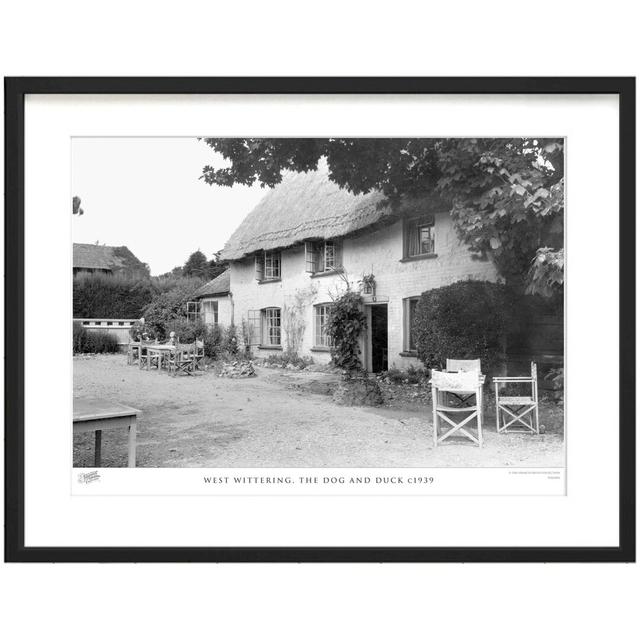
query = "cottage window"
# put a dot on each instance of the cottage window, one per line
(323, 256)
(193, 311)
(419, 237)
(268, 266)
(209, 311)
(410, 305)
(271, 334)
(321, 319)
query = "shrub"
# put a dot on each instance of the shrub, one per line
(290, 358)
(100, 295)
(556, 378)
(170, 306)
(186, 330)
(410, 375)
(79, 337)
(346, 323)
(213, 342)
(230, 340)
(85, 341)
(464, 320)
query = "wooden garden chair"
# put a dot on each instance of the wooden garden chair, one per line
(198, 355)
(457, 416)
(150, 357)
(181, 360)
(518, 413)
(133, 351)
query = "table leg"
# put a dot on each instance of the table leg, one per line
(132, 443)
(98, 445)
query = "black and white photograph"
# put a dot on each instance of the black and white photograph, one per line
(346, 302)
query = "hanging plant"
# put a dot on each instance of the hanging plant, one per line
(368, 284)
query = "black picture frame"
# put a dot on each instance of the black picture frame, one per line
(15, 91)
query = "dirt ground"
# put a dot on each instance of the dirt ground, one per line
(285, 418)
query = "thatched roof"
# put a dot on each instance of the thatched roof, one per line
(219, 286)
(95, 256)
(304, 206)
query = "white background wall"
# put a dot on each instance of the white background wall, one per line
(315, 601)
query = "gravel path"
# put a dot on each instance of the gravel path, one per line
(273, 420)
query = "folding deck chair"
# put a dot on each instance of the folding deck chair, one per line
(456, 366)
(457, 415)
(518, 414)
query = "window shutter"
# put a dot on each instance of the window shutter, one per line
(260, 266)
(253, 322)
(338, 254)
(310, 257)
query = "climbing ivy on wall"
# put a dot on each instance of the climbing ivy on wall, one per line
(346, 322)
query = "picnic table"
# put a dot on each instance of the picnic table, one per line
(95, 414)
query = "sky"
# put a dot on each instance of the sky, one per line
(144, 193)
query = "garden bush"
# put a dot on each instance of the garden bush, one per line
(170, 306)
(410, 375)
(229, 343)
(186, 330)
(85, 341)
(287, 358)
(100, 295)
(464, 320)
(213, 342)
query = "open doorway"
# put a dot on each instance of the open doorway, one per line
(379, 338)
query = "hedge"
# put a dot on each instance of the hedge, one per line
(99, 295)
(93, 341)
(464, 320)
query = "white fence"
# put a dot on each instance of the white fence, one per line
(116, 327)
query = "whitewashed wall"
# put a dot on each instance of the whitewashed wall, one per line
(378, 252)
(225, 309)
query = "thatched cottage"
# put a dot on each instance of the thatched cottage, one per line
(307, 238)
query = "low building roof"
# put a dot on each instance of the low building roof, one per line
(96, 256)
(219, 286)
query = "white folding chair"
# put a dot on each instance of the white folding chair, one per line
(458, 416)
(463, 365)
(518, 413)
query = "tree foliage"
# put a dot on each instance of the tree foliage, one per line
(546, 274)
(76, 209)
(506, 195)
(464, 320)
(196, 265)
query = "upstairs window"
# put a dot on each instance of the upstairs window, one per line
(271, 327)
(419, 237)
(268, 266)
(323, 256)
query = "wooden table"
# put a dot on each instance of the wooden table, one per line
(94, 414)
(162, 350)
